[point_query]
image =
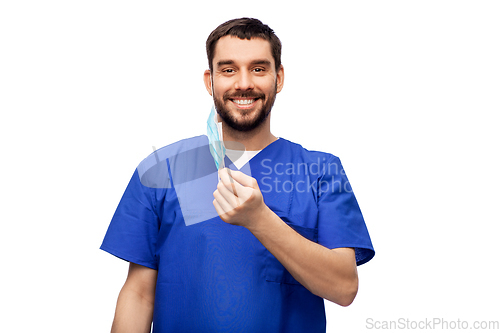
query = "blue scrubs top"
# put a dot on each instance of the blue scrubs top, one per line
(216, 277)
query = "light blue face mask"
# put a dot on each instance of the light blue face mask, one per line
(214, 133)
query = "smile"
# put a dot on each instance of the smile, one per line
(243, 101)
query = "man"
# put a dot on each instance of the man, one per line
(286, 233)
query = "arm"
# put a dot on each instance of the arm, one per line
(134, 309)
(331, 274)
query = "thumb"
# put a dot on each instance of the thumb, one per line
(244, 179)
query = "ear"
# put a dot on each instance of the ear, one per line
(207, 78)
(280, 79)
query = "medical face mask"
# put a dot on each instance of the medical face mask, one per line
(214, 133)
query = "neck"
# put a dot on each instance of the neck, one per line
(256, 139)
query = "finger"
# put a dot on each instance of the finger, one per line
(220, 204)
(244, 179)
(220, 211)
(225, 198)
(225, 178)
(232, 195)
(228, 181)
(233, 187)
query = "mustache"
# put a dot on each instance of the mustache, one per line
(249, 95)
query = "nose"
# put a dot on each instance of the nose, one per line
(244, 81)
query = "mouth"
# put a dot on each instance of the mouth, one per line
(244, 103)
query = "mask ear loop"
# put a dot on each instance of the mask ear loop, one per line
(216, 120)
(213, 96)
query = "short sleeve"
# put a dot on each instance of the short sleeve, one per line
(341, 223)
(133, 231)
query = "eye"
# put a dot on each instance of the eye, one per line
(228, 71)
(258, 70)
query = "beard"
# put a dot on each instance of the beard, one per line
(248, 123)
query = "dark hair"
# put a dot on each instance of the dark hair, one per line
(244, 28)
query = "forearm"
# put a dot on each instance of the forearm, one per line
(134, 313)
(330, 274)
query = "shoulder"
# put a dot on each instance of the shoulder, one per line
(179, 147)
(171, 150)
(153, 171)
(309, 155)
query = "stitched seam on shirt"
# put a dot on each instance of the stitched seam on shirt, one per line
(127, 256)
(292, 193)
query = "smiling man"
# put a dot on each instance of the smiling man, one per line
(230, 251)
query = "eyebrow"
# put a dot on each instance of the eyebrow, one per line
(224, 62)
(264, 62)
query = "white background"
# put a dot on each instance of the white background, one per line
(404, 92)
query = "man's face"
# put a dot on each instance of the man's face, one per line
(245, 81)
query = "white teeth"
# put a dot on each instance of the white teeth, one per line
(243, 101)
